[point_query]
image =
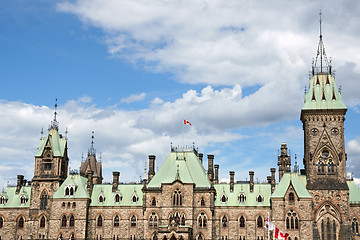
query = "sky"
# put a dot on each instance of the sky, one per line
(132, 71)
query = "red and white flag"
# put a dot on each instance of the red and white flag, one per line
(269, 225)
(187, 122)
(280, 235)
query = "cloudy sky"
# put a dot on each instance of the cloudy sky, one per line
(131, 71)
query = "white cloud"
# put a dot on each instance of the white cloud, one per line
(353, 151)
(133, 98)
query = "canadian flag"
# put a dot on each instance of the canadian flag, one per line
(280, 235)
(187, 122)
(269, 225)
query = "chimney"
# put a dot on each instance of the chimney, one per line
(216, 166)
(232, 173)
(251, 173)
(20, 179)
(115, 181)
(210, 167)
(90, 183)
(151, 172)
(272, 170)
(268, 179)
(201, 157)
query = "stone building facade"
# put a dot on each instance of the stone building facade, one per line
(185, 200)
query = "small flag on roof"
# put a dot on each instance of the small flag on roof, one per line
(187, 122)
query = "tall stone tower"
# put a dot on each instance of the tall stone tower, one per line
(284, 161)
(323, 116)
(51, 169)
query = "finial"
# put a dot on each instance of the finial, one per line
(66, 133)
(82, 156)
(320, 20)
(54, 123)
(42, 132)
(92, 151)
(100, 156)
(340, 89)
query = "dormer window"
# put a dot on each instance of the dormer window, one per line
(118, 198)
(101, 198)
(242, 198)
(2, 200)
(223, 198)
(134, 198)
(23, 200)
(259, 199)
(69, 191)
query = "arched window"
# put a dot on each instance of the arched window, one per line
(74, 204)
(133, 221)
(67, 191)
(117, 198)
(72, 221)
(296, 223)
(224, 221)
(183, 220)
(1, 222)
(155, 221)
(334, 230)
(116, 221)
(22, 200)
(2, 200)
(63, 221)
(61, 236)
(42, 222)
(322, 229)
(43, 200)
(292, 220)
(101, 199)
(259, 199)
(242, 198)
(223, 198)
(153, 201)
(72, 236)
(100, 221)
(328, 229)
(259, 222)
(177, 201)
(200, 237)
(177, 217)
(134, 198)
(63, 204)
(21, 223)
(155, 237)
(151, 221)
(242, 222)
(291, 197)
(71, 191)
(202, 202)
(202, 220)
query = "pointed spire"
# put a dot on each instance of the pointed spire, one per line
(42, 132)
(92, 150)
(54, 123)
(321, 63)
(66, 133)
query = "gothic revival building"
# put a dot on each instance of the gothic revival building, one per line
(183, 200)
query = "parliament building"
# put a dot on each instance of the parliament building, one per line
(185, 200)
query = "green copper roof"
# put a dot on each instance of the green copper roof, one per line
(184, 166)
(243, 188)
(297, 181)
(58, 144)
(13, 199)
(323, 93)
(77, 181)
(126, 191)
(354, 192)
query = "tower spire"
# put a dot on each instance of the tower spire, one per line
(54, 123)
(92, 149)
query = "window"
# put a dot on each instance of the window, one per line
(2, 200)
(63, 204)
(291, 197)
(42, 222)
(202, 220)
(100, 221)
(242, 198)
(67, 191)
(200, 237)
(72, 236)
(177, 201)
(355, 226)
(116, 221)
(292, 220)
(154, 237)
(68, 204)
(23, 200)
(134, 198)
(117, 198)
(133, 221)
(71, 191)
(101, 199)
(223, 198)
(21, 223)
(47, 166)
(43, 200)
(74, 204)
(224, 221)
(72, 221)
(63, 221)
(60, 236)
(1, 222)
(183, 220)
(259, 222)
(202, 202)
(153, 202)
(242, 222)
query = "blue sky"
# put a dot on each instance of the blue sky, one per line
(132, 70)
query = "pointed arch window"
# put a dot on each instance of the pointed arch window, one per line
(2, 200)
(116, 221)
(101, 198)
(67, 191)
(202, 202)
(63, 221)
(223, 198)
(1, 222)
(334, 229)
(291, 197)
(100, 221)
(242, 198)
(200, 237)
(177, 199)
(21, 223)
(134, 198)
(292, 220)
(224, 221)
(259, 199)
(183, 220)
(242, 222)
(72, 221)
(43, 200)
(355, 226)
(153, 220)
(155, 237)
(153, 201)
(72, 236)
(259, 222)
(133, 221)
(23, 199)
(117, 198)
(328, 229)
(42, 222)
(71, 191)
(202, 220)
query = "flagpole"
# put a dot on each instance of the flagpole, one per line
(183, 134)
